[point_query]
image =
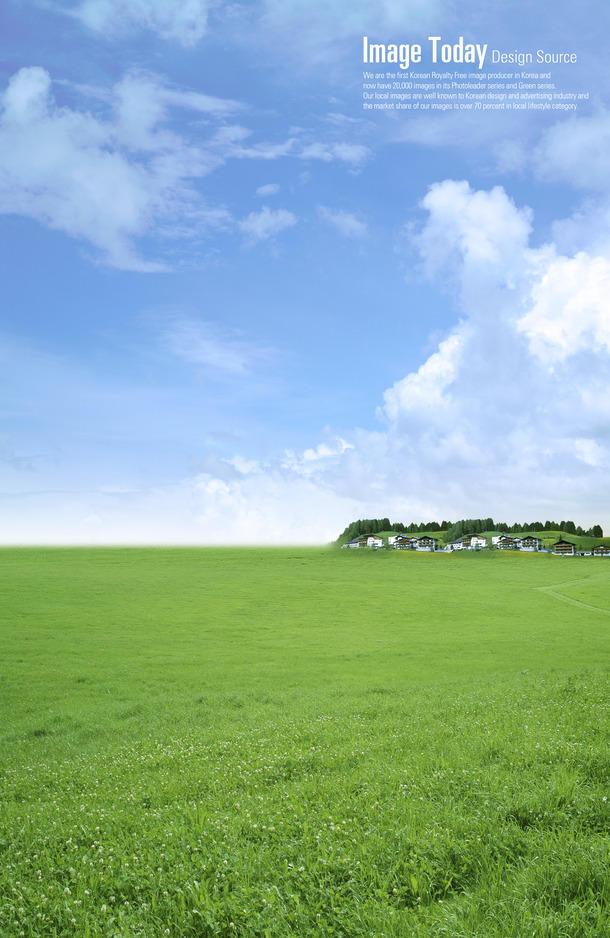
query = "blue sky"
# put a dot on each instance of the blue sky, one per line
(238, 308)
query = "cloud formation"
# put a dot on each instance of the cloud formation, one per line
(316, 28)
(509, 416)
(576, 151)
(106, 181)
(182, 21)
(260, 226)
(209, 344)
(345, 222)
(114, 175)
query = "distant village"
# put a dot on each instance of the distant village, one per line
(426, 542)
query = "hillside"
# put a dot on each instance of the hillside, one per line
(446, 535)
(548, 538)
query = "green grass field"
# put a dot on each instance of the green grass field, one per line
(203, 742)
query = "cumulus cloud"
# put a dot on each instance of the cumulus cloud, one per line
(570, 310)
(508, 416)
(183, 21)
(345, 222)
(424, 391)
(477, 237)
(260, 226)
(510, 409)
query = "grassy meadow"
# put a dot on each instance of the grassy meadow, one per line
(261, 742)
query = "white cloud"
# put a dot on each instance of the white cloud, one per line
(260, 226)
(478, 236)
(591, 452)
(323, 450)
(207, 343)
(253, 508)
(141, 101)
(509, 416)
(316, 28)
(354, 153)
(576, 151)
(232, 139)
(424, 391)
(117, 173)
(271, 188)
(571, 308)
(345, 222)
(183, 21)
(483, 426)
(110, 181)
(484, 418)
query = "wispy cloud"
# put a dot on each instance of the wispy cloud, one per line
(316, 28)
(345, 222)
(260, 226)
(354, 153)
(576, 151)
(214, 346)
(113, 175)
(182, 21)
(107, 181)
(271, 188)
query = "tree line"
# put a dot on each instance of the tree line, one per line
(478, 525)
(374, 525)
(458, 529)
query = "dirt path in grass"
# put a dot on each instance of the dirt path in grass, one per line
(552, 591)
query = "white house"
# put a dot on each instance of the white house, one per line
(401, 542)
(425, 542)
(365, 540)
(505, 542)
(373, 540)
(600, 550)
(529, 542)
(564, 547)
(469, 542)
